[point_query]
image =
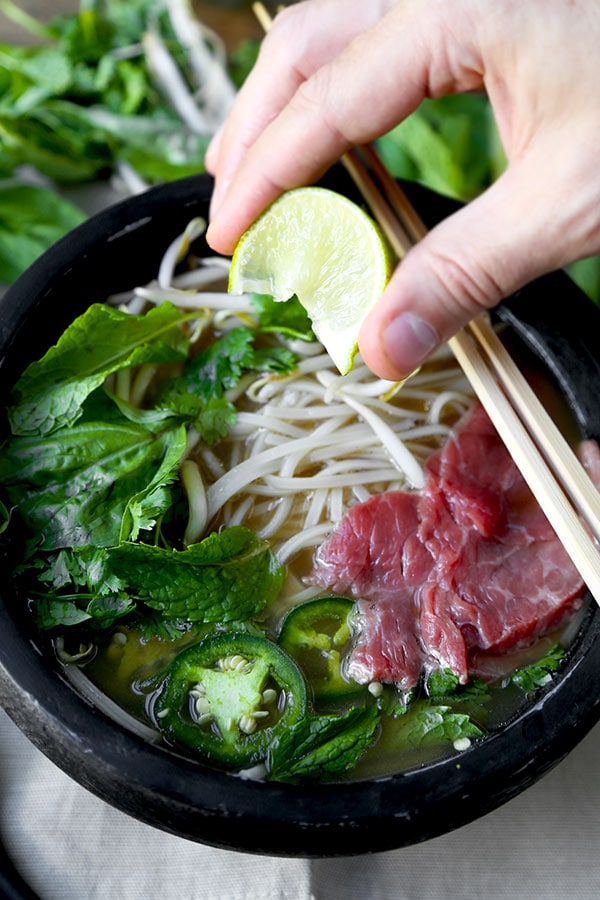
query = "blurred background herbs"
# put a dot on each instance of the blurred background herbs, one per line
(128, 93)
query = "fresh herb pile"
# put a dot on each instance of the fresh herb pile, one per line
(129, 86)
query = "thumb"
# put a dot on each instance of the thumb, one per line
(466, 264)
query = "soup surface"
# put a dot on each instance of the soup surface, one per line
(177, 460)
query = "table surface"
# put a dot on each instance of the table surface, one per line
(69, 845)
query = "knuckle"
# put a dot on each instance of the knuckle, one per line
(317, 99)
(467, 285)
(313, 97)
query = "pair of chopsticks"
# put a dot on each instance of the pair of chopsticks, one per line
(551, 469)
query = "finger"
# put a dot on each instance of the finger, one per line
(334, 109)
(302, 38)
(510, 235)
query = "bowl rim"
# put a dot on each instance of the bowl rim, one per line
(196, 802)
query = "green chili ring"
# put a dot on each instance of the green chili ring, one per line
(229, 697)
(317, 634)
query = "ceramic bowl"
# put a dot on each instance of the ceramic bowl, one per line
(114, 250)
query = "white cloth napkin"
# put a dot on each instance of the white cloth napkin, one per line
(70, 845)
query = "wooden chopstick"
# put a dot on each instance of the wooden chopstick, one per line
(533, 440)
(548, 438)
(551, 469)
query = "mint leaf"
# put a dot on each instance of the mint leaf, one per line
(322, 746)
(50, 392)
(230, 575)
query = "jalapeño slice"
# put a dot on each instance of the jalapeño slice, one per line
(228, 697)
(317, 635)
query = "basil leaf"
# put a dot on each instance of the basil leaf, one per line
(50, 392)
(31, 219)
(74, 486)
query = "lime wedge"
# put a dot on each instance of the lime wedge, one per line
(321, 247)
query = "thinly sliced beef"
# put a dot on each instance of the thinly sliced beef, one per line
(375, 555)
(471, 564)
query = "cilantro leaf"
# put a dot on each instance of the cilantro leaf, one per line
(426, 723)
(81, 567)
(199, 394)
(539, 673)
(289, 318)
(444, 683)
(321, 746)
(53, 612)
(215, 419)
(219, 367)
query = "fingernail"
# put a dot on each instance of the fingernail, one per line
(408, 341)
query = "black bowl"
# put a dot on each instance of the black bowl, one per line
(117, 249)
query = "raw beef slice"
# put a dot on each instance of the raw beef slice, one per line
(469, 564)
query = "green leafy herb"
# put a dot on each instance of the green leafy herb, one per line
(450, 145)
(444, 683)
(289, 318)
(199, 393)
(230, 575)
(75, 486)
(425, 723)
(322, 746)
(86, 95)
(539, 673)
(394, 703)
(51, 391)
(43, 217)
(4, 517)
(90, 95)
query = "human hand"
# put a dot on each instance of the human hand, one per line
(323, 84)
